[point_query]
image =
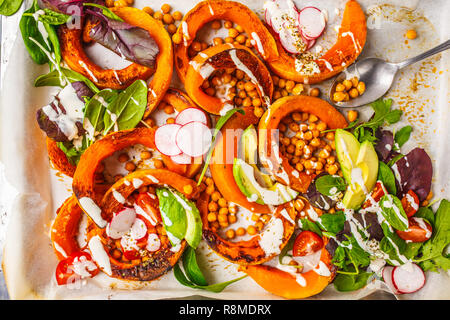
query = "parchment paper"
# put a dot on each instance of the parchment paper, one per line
(32, 190)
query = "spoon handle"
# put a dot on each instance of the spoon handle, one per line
(443, 46)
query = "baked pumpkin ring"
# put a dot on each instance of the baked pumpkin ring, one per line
(58, 158)
(269, 154)
(73, 54)
(207, 11)
(224, 152)
(254, 250)
(285, 285)
(157, 263)
(226, 56)
(350, 42)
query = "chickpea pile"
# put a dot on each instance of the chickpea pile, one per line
(118, 3)
(166, 17)
(310, 149)
(348, 89)
(284, 87)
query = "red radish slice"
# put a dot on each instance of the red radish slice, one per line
(194, 139)
(408, 278)
(165, 139)
(312, 22)
(288, 41)
(267, 17)
(121, 223)
(387, 277)
(138, 230)
(189, 115)
(153, 242)
(311, 43)
(182, 159)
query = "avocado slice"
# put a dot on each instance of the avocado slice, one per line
(244, 175)
(248, 151)
(347, 149)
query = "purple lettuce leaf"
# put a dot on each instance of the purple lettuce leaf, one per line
(316, 199)
(414, 172)
(67, 6)
(82, 90)
(384, 144)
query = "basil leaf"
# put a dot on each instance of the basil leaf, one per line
(218, 287)
(53, 79)
(402, 135)
(348, 282)
(29, 30)
(96, 107)
(306, 224)
(128, 109)
(392, 211)
(330, 185)
(173, 215)
(9, 7)
(332, 222)
(193, 271)
(220, 123)
(106, 12)
(386, 176)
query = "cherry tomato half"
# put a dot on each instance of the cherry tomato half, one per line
(377, 193)
(306, 243)
(149, 205)
(410, 203)
(418, 231)
(75, 267)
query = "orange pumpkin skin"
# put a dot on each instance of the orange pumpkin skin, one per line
(283, 284)
(341, 55)
(207, 11)
(221, 165)
(268, 127)
(72, 53)
(58, 158)
(247, 252)
(219, 57)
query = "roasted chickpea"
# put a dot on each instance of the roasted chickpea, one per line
(352, 115)
(411, 34)
(177, 15)
(314, 92)
(165, 8)
(216, 24)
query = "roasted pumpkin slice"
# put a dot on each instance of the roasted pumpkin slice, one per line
(154, 264)
(268, 150)
(261, 247)
(225, 150)
(84, 178)
(226, 56)
(207, 11)
(73, 54)
(286, 285)
(350, 43)
(59, 159)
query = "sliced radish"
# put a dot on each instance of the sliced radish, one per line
(153, 242)
(312, 22)
(267, 17)
(189, 115)
(181, 159)
(277, 11)
(165, 139)
(408, 278)
(138, 229)
(311, 43)
(289, 40)
(387, 277)
(194, 139)
(121, 223)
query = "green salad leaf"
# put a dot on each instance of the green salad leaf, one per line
(53, 79)
(106, 11)
(351, 282)
(330, 185)
(386, 176)
(402, 135)
(332, 222)
(9, 7)
(392, 210)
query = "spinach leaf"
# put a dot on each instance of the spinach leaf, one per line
(386, 176)
(392, 244)
(54, 79)
(193, 271)
(54, 41)
(425, 213)
(220, 123)
(73, 154)
(395, 159)
(332, 222)
(351, 282)
(106, 11)
(402, 135)
(9, 7)
(306, 224)
(330, 185)
(218, 287)
(128, 109)
(286, 248)
(173, 215)
(392, 210)
(95, 109)
(51, 17)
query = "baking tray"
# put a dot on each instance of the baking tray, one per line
(32, 190)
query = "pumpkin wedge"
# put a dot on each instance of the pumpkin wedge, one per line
(73, 54)
(269, 154)
(254, 250)
(207, 11)
(226, 56)
(58, 158)
(350, 42)
(285, 285)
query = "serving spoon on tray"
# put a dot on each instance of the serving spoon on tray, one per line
(378, 75)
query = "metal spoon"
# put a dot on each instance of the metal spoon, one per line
(378, 76)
